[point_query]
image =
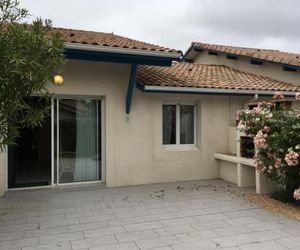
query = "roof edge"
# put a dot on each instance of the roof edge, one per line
(211, 91)
(99, 48)
(192, 47)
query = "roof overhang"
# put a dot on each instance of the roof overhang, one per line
(192, 51)
(209, 91)
(119, 55)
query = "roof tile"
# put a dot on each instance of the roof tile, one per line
(208, 76)
(265, 54)
(108, 39)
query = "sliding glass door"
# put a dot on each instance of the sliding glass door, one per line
(65, 149)
(78, 137)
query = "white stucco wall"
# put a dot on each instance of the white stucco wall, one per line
(271, 70)
(134, 151)
(133, 144)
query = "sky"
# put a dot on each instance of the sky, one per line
(272, 24)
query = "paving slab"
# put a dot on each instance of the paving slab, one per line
(187, 215)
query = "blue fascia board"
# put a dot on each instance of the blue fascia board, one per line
(131, 87)
(239, 56)
(118, 58)
(231, 57)
(213, 53)
(197, 49)
(256, 62)
(289, 68)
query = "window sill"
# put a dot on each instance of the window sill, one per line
(180, 148)
(178, 153)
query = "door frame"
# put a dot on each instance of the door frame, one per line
(101, 99)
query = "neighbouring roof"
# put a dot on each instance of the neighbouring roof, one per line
(109, 40)
(275, 56)
(182, 74)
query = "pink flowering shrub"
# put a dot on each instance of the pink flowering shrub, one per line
(276, 136)
(278, 95)
(296, 194)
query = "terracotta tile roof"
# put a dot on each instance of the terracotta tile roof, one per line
(264, 54)
(208, 76)
(108, 39)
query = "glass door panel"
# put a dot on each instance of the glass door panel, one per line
(29, 161)
(78, 148)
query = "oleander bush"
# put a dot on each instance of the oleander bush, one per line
(276, 135)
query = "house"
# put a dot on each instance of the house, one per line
(133, 113)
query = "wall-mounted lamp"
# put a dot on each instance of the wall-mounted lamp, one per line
(58, 80)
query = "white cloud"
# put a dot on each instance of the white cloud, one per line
(174, 24)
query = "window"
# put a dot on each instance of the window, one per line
(179, 124)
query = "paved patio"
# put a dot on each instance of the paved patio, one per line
(190, 215)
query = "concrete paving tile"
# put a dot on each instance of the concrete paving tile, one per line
(87, 226)
(59, 238)
(93, 242)
(196, 236)
(157, 242)
(142, 226)
(118, 246)
(179, 229)
(196, 245)
(249, 238)
(125, 221)
(45, 231)
(15, 244)
(232, 230)
(58, 246)
(266, 245)
(104, 231)
(133, 236)
(290, 242)
(93, 218)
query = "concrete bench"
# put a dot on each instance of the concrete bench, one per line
(242, 172)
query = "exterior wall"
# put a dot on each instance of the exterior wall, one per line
(134, 152)
(109, 81)
(271, 70)
(133, 143)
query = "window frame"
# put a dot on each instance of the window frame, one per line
(177, 145)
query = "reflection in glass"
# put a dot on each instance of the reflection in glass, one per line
(78, 140)
(186, 124)
(169, 124)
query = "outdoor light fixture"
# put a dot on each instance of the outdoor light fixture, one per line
(58, 80)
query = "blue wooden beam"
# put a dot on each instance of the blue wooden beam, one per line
(197, 49)
(131, 87)
(231, 57)
(256, 62)
(289, 68)
(212, 53)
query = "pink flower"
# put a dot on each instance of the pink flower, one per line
(266, 129)
(256, 110)
(278, 163)
(297, 194)
(297, 96)
(260, 139)
(259, 165)
(291, 158)
(278, 95)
